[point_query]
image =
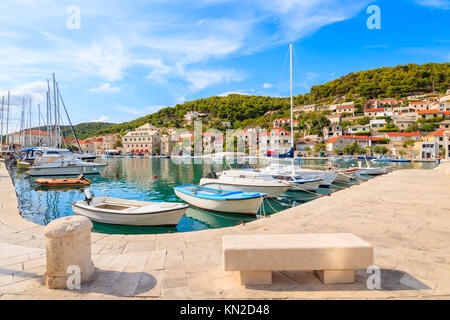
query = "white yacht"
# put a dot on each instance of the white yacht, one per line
(59, 162)
(298, 172)
(247, 181)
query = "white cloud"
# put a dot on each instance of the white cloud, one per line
(36, 91)
(105, 87)
(267, 85)
(129, 110)
(200, 79)
(242, 92)
(165, 41)
(102, 118)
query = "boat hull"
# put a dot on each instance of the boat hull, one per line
(307, 186)
(161, 219)
(372, 171)
(68, 170)
(342, 178)
(328, 177)
(241, 206)
(271, 191)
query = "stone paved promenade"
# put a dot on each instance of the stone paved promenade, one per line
(405, 215)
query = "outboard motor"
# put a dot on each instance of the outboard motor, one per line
(212, 175)
(89, 196)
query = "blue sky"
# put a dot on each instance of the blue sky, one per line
(131, 59)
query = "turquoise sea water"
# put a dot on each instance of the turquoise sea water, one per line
(152, 179)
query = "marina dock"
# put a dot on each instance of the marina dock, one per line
(405, 215)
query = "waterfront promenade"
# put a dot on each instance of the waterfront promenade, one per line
(405, 215)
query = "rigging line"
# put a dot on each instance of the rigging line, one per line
(267, 199)
(282, 72)
(297, 64)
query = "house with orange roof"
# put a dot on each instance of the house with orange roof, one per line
(419, 105)
(306, 108)
(277, 123)
(341, 141)
(372, 112)
(346, 107)
(86, 145)
(443, 106)
(432, 145)
(29, 138)
(383, 103)
(427, 114)
(145, 138)
(277, 139)
(402, 136)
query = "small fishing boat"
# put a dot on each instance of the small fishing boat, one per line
(246, 181)
(78, 182)
(299, 184)
(220, 200)
(300, 172)
(129, 212)
(401, 160)
(23, 165)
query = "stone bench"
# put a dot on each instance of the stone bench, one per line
(334, 256)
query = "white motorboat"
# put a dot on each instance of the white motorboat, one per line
(342, 177)
(85, 156)
(247, 181)
(298, 184)
(370, 171)
(220, 200)
(129, 212)
(60, 162)
(298, 172)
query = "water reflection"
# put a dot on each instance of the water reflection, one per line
(153, 179)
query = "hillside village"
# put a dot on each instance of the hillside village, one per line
(412, 127)
(400, 111)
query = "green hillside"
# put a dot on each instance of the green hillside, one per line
(85, 130)
(394, 82)
(241, 110)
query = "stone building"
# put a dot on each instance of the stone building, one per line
(146, 138)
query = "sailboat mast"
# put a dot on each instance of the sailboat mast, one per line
(49, 113)
(29, 124)
(7, 123)
(39, 125)
(292, 105)
(1, 131)
(22, 124)
(56, 112)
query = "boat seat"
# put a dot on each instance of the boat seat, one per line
(333, 256)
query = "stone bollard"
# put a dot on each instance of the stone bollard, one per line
(68, 247)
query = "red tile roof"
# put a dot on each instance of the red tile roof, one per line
(352, 137)
(345, 106)
(418, 102)
(281, 130)
(437, 133)
(403, 134)
(389, 100)
(333, 140)
(374, 110)
(431, 111)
